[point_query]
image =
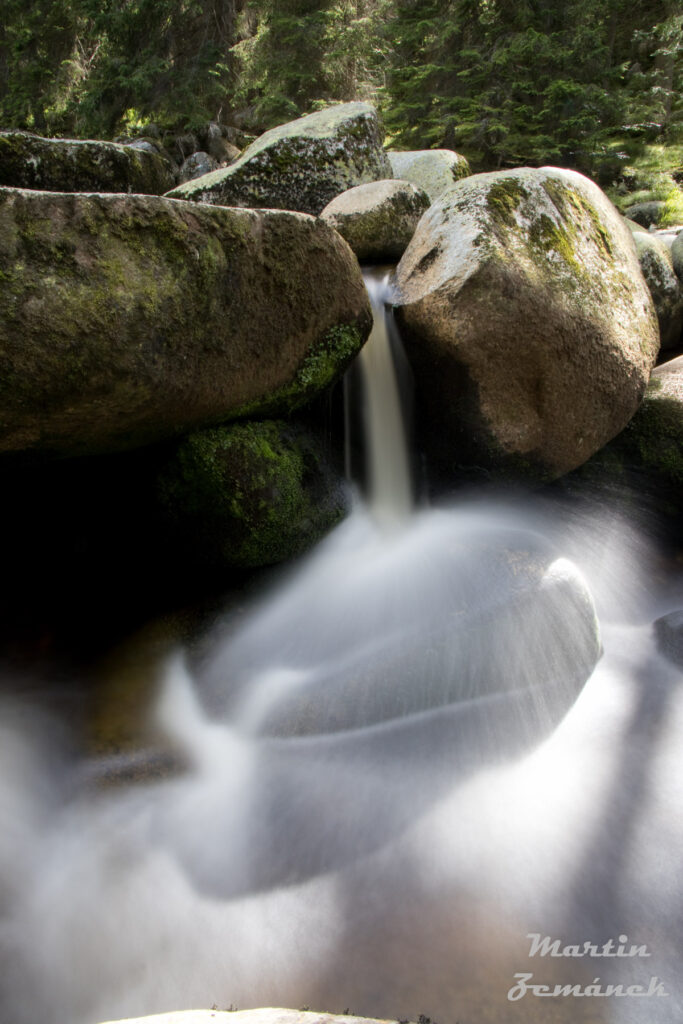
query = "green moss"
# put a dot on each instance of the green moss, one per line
(503, 199)
(320, 368)
(248, 494)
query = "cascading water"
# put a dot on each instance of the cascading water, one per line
(388, 775)
(390, 490)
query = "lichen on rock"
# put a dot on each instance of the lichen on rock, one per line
(128, 319)
(300, 165)
(377, 219)
(527, 321)
(433, 170)
(80, 165)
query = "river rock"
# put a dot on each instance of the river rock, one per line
(76, 165)
(527, 321)
(656, 263)
(646, 214)
(377, 219)
(642, 467)
(127, 319)
(677, 255)
(196, 165)
(433, 170)
(301, 165)
(669, 634)
(250, 494)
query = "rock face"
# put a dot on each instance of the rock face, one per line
(250, 494)
(378, 219)
(73, 165)
(301, 165)
(658, 270)
(433, 170)
(126, 319)
(527, 321)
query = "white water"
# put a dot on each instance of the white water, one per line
(393, 866)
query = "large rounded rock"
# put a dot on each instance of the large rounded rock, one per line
(378, 219)
(250, 494)
(527, 321)
(433, 170)
(126, 319)
(301, 165)
(657, 266)
(76, 165)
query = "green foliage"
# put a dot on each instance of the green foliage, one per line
(305, 54)
(506, 82)
(97, 67)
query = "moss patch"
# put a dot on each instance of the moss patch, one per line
(249, 494)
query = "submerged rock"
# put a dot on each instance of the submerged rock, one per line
(658, 270)
(250, 494)
(669, 633)
(76, 165)
(301, 165)
(510, 617)
(378, 219)
(433, 170)
(527, 322)
(127, 319)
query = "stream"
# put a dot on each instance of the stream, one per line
(442, 737)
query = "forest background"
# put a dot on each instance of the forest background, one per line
(590, 84)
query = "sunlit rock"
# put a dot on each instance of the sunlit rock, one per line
(127, 319)
(433, 170)
(300, 165)
(527, 321)
(78, 165)
(377, 219)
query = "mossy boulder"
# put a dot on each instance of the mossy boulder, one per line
(250, 494)
(77, 165)
(527, 321)
(127, 319)
(433, 170)
(656, 263)
(300, 165)
(377, 219)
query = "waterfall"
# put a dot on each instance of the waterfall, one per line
(390, 487)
